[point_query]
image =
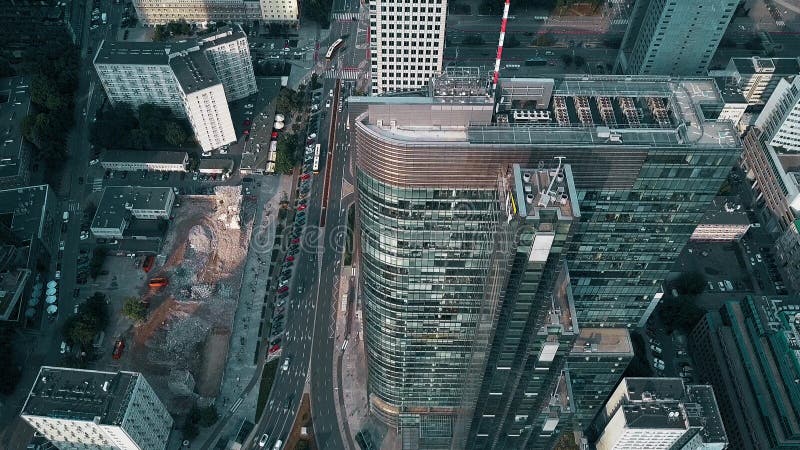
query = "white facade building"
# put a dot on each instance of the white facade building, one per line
(757, 77)
(91, 410)
(136, 73)
(661, 414)
(156, 161)
(406, 43)
(673, 37)
(780, 119)
(204, 100)
(202, 12)
(182, 76)
(229, 54)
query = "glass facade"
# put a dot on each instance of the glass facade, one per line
(425, 256)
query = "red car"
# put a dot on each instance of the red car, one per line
(274, 135)
(305, 176)
(290, 258)
(301, 208)
(246, 132)
(274, 348)
(119, 346)
(283, 289)
(247, 122)
(296, 241)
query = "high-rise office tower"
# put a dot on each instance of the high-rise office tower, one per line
(780, 119)
(661, 414)
(457, 281)
(406, 43)
(89, 409)
(673, 37)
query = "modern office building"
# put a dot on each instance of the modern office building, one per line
(443, 258)
(406, 43)
(673, 37)
(229, 54)
(120, 204)
(203, 12)
(757, 77)
(15, 152)
(661, 414)
(182, 77)
(148, 160)
(79, 409)
(748, 351)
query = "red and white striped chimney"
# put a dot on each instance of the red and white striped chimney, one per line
(500, 46)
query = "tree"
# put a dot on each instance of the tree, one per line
(283, 163)
(190, 431)
(79, 331)
(544, 40)
(580, 61)
(566, 59)
(679, 313)
(205, 417)
(690, 283)
(473, 39)
(174, 134)
(134, 309)
(97, 261)
(753, 44)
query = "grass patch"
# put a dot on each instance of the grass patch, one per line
(351, 220)
(267, 377)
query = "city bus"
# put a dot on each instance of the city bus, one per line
(332, 49)
(315, 166)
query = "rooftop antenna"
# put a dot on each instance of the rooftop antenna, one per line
(496, 75)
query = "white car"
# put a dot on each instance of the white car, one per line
(84, 235)
(206, 154)
(330, 93)
(285, 365)
(61, 245)
(263, 441)
(63, 347)
(94, 161)
(328, 104)
(248, 106)
(58, 275)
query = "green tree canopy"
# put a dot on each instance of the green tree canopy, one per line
(134, 309)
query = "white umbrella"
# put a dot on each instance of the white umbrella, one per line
(52, 309)
(50, 299)
(30, 312)
(52, 284)
(278, 125)
(279, 118)
(50, 291)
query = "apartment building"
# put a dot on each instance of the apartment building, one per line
(182, 76)
(229, 53)
(780, 119)
(661, 414)
(673, 37)
(203, 12)
(406, 43)
(757, 77)
(79, 409)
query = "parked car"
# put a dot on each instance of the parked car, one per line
(263, 441)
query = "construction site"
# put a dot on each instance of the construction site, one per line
(182, 346)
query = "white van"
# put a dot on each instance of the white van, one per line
(278, 445)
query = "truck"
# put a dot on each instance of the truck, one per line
(65, 216)
(148, 263)
(536, 62)
(158, 282)
(104, 18)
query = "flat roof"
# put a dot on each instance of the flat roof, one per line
(669, 109)
(710, 418)
(215, 164)
(143, 156)
(725, 211)
(603, 340)
(655, 415)
(15, 104)
(83, 395)
(129, 52)
(777, 66)
(23, 209)
(117, 202)
(223, 35)
(194, 72)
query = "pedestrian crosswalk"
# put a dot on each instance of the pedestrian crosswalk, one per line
(97, 184)
(74, 206)
(345, 15)
(619, 22)
(347, 74)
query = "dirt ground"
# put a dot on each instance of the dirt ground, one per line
(188, 325)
